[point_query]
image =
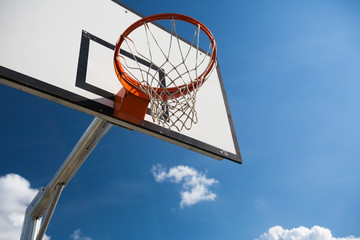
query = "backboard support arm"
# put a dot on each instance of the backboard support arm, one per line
(45, 201)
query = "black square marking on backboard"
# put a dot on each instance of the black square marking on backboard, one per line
(83, 62)
(86, 37)
(80, 82)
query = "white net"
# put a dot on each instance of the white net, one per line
(170, 71)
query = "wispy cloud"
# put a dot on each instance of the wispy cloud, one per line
(77, 235)
(15, 196)
(301, 233)
(195, 187)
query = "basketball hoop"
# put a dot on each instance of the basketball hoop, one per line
(165, 73)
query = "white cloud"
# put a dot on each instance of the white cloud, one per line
(15, 195)
(195, 184)
(78, 236)
(301, 233)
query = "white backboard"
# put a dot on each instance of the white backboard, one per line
(63, 51)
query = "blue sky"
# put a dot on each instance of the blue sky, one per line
(291, 70)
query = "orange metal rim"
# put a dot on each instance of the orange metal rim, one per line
(132, 85)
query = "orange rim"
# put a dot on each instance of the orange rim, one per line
(132, 85)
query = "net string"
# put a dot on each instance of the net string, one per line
(173, 110)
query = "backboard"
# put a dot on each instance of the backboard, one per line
(63, 51)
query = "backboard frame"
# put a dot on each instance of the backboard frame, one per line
(59, 95)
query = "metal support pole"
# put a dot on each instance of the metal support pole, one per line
(50, 211)
(30, 227)
(45, 201)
